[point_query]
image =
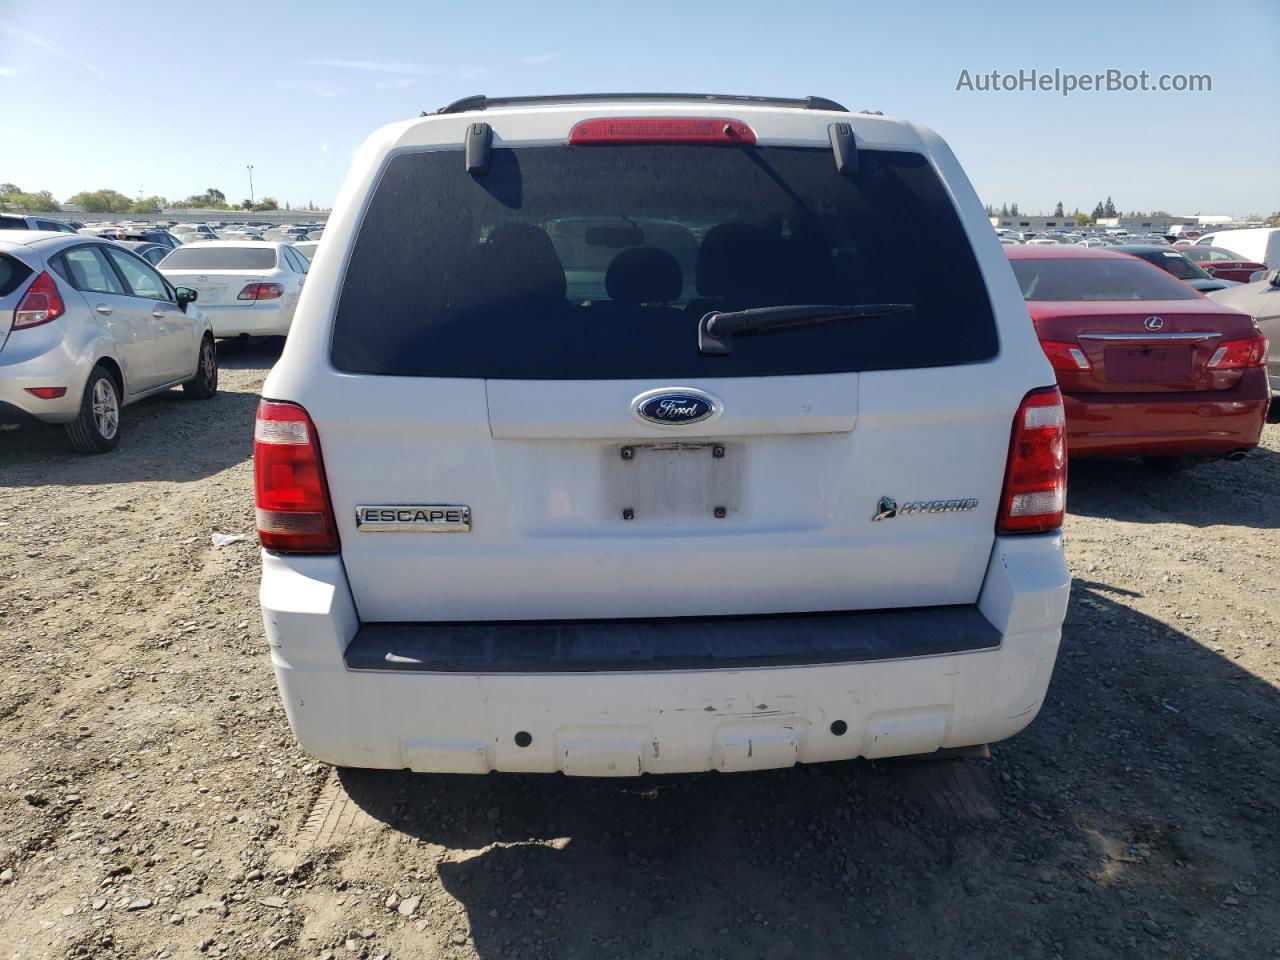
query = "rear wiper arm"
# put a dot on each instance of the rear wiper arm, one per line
(716, 330)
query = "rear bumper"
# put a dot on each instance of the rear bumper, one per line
(23, 366)
(1206, 424)
(633, 719)
(266, 319)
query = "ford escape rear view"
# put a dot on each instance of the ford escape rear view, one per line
(658, 433)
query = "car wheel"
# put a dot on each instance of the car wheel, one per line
(205, 383)
(1273, 411)
(1168, 464)
(96, 428)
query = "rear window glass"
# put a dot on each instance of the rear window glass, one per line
(12, 274)
(12, 223)
(1109, 279)
(1211, 254)
(221, 258)
(1175, 264)
(598, 262)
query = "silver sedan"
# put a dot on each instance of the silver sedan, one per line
(86, 328)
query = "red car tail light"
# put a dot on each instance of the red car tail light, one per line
(716, 131)
(47, 393)
(294, 513)
(1238, 354)
(261, 291)
(41, 304)
(1064, 356)
(1035, 480)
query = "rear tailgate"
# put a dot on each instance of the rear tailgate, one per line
(496, 334)
(555, 470)
(15, 276)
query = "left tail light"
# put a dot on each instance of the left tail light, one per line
(40, 304)
(1064, 356)
(292, 497)
(261, 291)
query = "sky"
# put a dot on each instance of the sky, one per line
(174, 97)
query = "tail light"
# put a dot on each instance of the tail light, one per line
(294, 513)
(1035, 480)
(715, 131)
(1064, 356)
(41, 304)
(1238, 354)
(47, 393)
(261, 291)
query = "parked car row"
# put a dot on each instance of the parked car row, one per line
(88, 327)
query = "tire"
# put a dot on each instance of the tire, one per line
(96, 428)
(1168, 464)
(1273, 411)
(205, 383)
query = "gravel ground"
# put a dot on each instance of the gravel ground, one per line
(153, 803)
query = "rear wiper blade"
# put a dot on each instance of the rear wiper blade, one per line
(716, 330)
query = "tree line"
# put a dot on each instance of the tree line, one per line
(112, 201)
(1107, 209)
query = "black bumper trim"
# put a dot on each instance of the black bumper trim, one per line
(686, 643)
(9, 413)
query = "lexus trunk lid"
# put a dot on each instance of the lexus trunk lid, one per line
(1153, 347)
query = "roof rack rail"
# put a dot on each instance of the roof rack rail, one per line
(482, 102)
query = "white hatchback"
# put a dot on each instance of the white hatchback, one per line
(246, 288)
(616, 435)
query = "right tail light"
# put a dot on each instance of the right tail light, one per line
(40, 304)
(1035, 481)
(293, 508)
(1238, 354)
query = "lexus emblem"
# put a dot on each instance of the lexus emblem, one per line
(1153, 323)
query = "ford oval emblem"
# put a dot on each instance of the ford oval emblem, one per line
(674, 407)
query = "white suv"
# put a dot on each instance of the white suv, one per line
(658, 433)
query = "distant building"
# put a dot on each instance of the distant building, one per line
(1147, 224)
(1034, 223)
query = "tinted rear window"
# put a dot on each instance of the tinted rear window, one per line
(12, 274)
(220, 258)
(1175, 264)
(13, 223)
(597, 263)
(1211, 253)
(1108, 279)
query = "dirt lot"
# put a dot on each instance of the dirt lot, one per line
(153, 804)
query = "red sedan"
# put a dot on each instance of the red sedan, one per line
(1224, 264)
(1147, 366)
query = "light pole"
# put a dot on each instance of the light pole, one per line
(249, 167)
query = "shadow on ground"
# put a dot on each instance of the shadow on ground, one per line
(1205, 495)
(1134, 818)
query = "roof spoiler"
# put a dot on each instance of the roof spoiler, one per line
(481, 102)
